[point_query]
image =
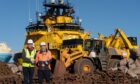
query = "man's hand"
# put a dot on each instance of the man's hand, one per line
(33, 62)
(49, 66)
(43, 65)
(46, 62)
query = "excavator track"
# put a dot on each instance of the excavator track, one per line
(104, 58)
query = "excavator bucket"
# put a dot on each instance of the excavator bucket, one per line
(59, 69)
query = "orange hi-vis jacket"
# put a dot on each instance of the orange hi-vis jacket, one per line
(43, 56)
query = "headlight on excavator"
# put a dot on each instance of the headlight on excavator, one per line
(92, 54)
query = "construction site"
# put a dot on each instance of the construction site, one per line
(77, 57)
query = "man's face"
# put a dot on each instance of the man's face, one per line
(30, 46)
(43, 47)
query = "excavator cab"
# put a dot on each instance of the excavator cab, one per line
(93, 44)
(133, 40)
(86, 45)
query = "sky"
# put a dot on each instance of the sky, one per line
(98, 16)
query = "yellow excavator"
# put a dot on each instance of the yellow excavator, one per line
(120, 46)
(102, 53)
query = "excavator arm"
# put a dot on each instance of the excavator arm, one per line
(124, 38)
(120, 42)
(129, 43)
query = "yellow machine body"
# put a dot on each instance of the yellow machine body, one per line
(54, 36)
(120, 43)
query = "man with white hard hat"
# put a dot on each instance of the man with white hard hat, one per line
(28, 56)
(43, 58)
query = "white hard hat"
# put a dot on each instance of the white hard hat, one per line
(42, 43)
(30, 41)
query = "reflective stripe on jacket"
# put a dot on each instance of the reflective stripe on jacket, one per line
(43, 56)
(30, 56)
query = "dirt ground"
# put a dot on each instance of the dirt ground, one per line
(98, 77)
(116, 77)
(110, 77)
(6, 75)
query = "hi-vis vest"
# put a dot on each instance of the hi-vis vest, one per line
(29, 56)
(46, 56)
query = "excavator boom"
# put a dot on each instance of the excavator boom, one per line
(127, 42)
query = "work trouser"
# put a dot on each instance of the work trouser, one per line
(44, 74)
(28, 73)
